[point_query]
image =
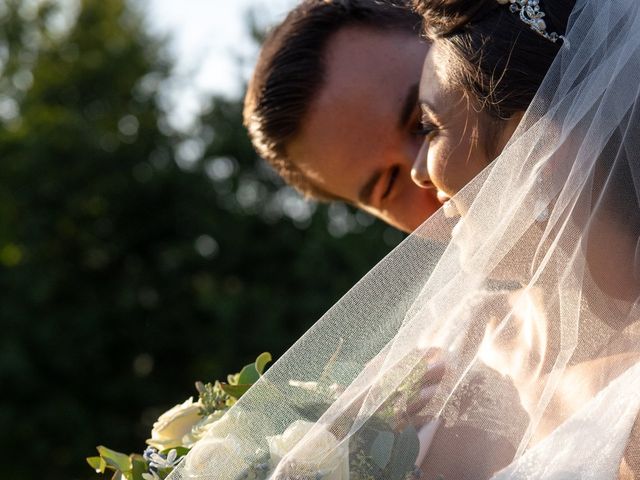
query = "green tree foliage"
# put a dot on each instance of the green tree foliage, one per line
(135, 260)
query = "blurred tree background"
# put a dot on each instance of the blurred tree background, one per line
(135, 259)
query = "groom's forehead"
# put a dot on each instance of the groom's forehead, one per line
(370, 65)
(369, 74)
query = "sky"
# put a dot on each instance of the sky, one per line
(205, 38)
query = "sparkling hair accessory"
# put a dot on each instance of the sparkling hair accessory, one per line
(531, 14)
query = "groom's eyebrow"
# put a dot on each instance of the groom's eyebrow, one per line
(410, 102)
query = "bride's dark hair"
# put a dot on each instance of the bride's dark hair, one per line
(492, 55)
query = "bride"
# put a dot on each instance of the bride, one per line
(472, 102)
(513, 352)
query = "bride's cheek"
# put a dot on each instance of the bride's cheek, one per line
(440, 166)
(434, 164)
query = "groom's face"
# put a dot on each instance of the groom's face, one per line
(361, 136)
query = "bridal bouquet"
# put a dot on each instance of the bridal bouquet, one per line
(177, 430)
(379, 451)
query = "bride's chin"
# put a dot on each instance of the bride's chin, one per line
(450, 209)
(513, 267)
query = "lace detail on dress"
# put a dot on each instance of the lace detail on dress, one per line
(606, 421)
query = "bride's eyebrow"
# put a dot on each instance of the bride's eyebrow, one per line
(427, 107)
(409, 105)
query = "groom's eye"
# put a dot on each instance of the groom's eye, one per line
(393, 175)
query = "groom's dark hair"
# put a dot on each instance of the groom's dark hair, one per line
(291, 71)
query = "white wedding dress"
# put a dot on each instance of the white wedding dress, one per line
(590, 444)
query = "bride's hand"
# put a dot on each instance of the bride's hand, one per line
(426, 386)
(429, 386)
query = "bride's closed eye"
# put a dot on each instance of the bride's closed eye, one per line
(425, 128)
(420, 125)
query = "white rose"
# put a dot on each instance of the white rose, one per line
(218, 451)
(319, 451)
(201, 428)
(174, 424)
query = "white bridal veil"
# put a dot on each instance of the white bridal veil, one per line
(503, 342)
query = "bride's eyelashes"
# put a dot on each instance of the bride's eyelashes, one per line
(425, 128)
(419, 125)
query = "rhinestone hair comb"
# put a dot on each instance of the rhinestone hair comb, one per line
(531, 14)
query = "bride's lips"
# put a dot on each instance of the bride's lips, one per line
(443, 197)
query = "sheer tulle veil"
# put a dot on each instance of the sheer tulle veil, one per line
(502, 342)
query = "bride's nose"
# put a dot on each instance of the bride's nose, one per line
(419, 172)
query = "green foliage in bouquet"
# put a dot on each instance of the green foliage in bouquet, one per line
(380, 449)
(219, 396)
(129, 466)
(385, 453)
(180, 428)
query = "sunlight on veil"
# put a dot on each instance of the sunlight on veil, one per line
(509, 352)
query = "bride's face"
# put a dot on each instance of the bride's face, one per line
(461, 141)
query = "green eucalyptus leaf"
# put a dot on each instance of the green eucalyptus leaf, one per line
(236, 391)
(248, 375)
(382, 448)
(114, 459)
(262, 361)
(127, 475)
(405, 453)
(139, 467)
(164, 472)
(181, 451)
(97, 463)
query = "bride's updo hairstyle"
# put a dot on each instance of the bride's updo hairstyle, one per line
(496, 59)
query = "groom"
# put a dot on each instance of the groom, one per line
(332, 106)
